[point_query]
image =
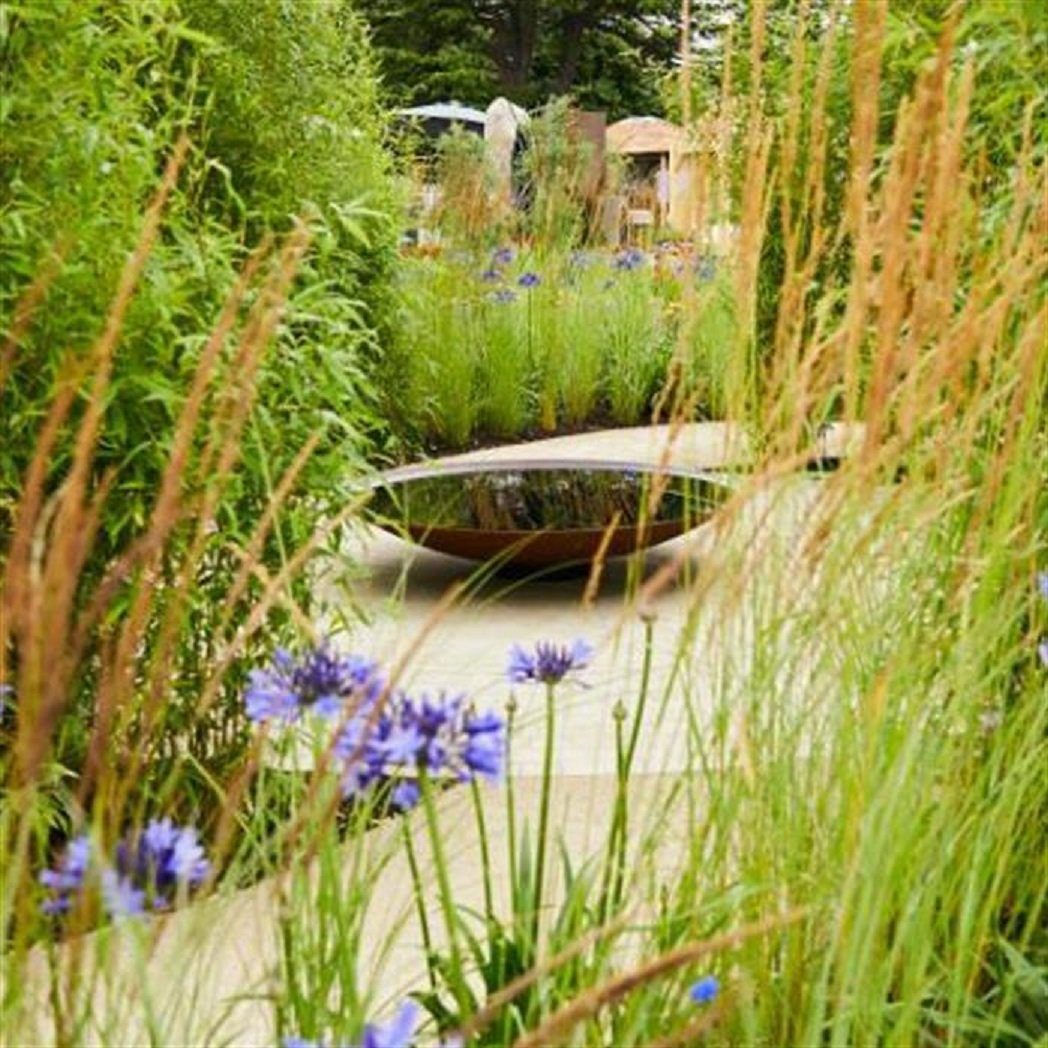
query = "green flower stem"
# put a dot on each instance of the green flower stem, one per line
(485, 855)
(547, 774)
(458, 979)
(511, 808)
(420, 902)
(645, 680)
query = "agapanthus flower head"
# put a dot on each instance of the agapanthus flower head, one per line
(529, 279)
(120, 896)
(147, 870)
(162, 858)
(705, 990)
(435, 735)
(491, 275)
(705, 268)
(502, 256)
(503, 295)
(631, 258)
(1042, 584)
(548, 663)
(319, 680)
(69, 875)
(398, 1033)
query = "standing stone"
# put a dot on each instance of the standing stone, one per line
(503, 122)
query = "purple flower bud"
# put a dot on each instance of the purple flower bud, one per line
(529, 280)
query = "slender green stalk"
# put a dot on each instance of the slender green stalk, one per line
(547, 776)
(447, 896)
(420, 902)
(485, 854)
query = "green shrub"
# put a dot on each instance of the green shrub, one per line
(279, 104)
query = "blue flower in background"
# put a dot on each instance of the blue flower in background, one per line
(69, 876)
(1042, 652)
(147, 870)
(120, 896)
(7, 692)
(502, 256)
(548, 663)
(491, 276)
(1042, 584)
(318, 681)
(631, 258)
(705, 990)
(163, 857)
(529, 280)
(503, 295)
(399, 1033)
(705, 269)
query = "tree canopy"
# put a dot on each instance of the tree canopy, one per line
(608, 55)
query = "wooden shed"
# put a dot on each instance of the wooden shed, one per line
(659, 153)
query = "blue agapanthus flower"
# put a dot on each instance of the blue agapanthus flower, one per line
(491, 275)
(705, 990)
(1042, 652)
(549, 663)
(433, 734)
(69, 876)
(1042, 584)
(631, 258)
(529, 279)
(398, 1033)
(147, 871)
(705, 268)
(318, 681)
(502, 256)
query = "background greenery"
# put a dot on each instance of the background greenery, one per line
(279, 101)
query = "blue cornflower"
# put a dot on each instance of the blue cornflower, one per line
(399, 1033)
(502, 256)
(503, 295)
(529, 279)
(705, 990)
(1042, 584)
(548, 663)
(491, 275)
(319, 681)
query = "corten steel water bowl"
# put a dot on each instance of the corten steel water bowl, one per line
(543, 514)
